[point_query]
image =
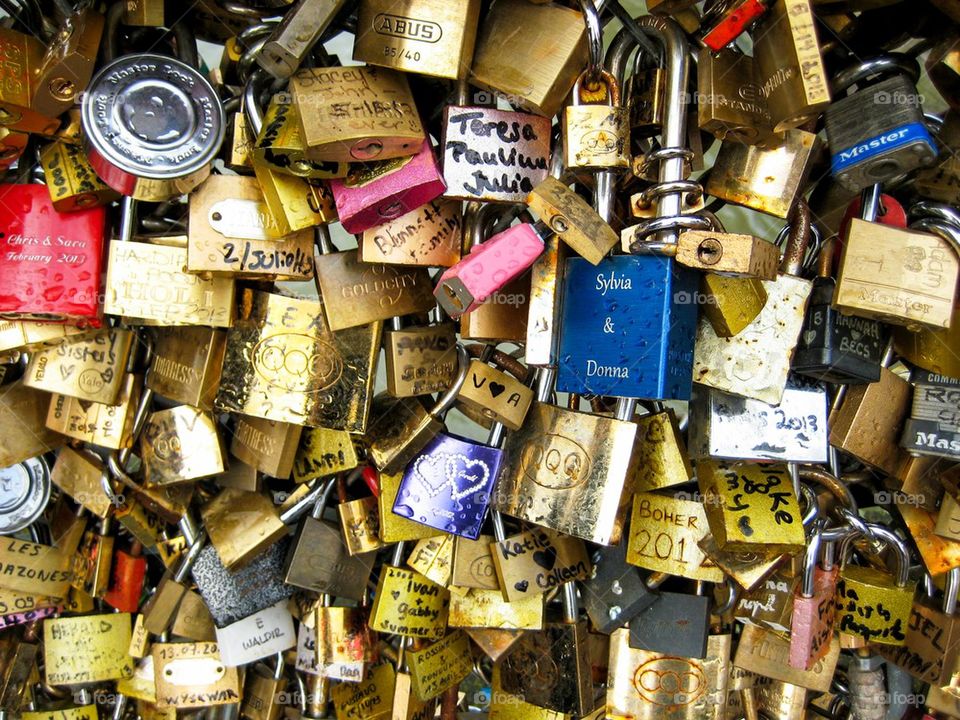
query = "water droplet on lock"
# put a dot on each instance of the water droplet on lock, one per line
(450, 528)
(614, 612)
(615, 588)
(403, 510)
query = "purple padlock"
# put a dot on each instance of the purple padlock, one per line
(377, 192)
(448, 485)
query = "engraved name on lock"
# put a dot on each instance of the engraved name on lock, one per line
(294, 362)
(555, 462)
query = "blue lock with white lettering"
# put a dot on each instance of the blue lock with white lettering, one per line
(878, 133)
(628, 328)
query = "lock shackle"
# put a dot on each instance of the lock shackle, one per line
(278, 666)
(257, 83)
(810, 556)
(185, 42)
(950, 590)
(935, 211)
(816, 474)
(293, 513)
(812, 512)
(321, 504)
(795, 237)
(491, 356)
(591, 19)
(733, 594)
(190, 558)
(875, 531)
(449, 397)
(889, 64)
(583, 89)
(569, 600)
(943, 230)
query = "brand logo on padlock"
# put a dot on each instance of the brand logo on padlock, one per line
(297, 363)
(407, 27)
(555, 462)
(668, 681)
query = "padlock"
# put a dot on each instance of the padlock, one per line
(932, 427)
(495, 395)
(293, 38)
(93, 560)
(186, 364)
(130, 149)
(431, 235)
(733, 20)
(614, 594)
(432, 603)
(376, 192)
(24, 55)
(727, 426)
(262, 690)
(563, 458)
(420, 360)
(323, 452)
(345, 643)
(101, 356)
(67, 64)
(443, 664)
(868, 423)
(871, 603)
(596, 135)
(833, 347)
(644, 94)
(648, 685)
(354, 293)
(883, 283)
(234, 231)
(318, 560)
(896, 142)
(340, 122)
(676, 623)
(768, 178)
(231, 596)
(766, 653)
(279, 145)
(192, 620)
(537, 561)
(732, 106)
(814, 608)
(193, 675)
(160, 608)
(18, 654)
(731, 303)
(332, 388)
(257, 636)
(52, 260)
(143, 13)
(126, 584)
(489, 267)
(267, 445)
(743, 366)
(179, 445)
(360, 524)
(572, 219)
(729, 253)
(362, 700)
(28, 335)
(564, 685)
(540, 72)
(789, 64)
(239, 543)
(146, 282)
(418, 36)
(71, 181)
(751, 506)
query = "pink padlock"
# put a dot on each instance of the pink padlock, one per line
(377, 192)
(489, 267)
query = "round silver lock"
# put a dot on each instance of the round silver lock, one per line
(24, 492)
(151, 123)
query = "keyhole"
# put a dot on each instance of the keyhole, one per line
(710, 251)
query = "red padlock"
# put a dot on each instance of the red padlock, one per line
(126, 585)
(50, 262)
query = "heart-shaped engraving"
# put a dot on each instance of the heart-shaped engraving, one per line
(521, 586)
(809, 336)
(395, 594)
(546, 558)
(66, 371)
(496, 388)
(457, 472)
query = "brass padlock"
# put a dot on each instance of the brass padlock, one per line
(143, 13)
(179, 445)
(267, 445)
(731, 303)
(495, 395)
(186, 364)
(23, 55)
(431, 235)
(67, 65)
(732, 105)
(420, 360)
(72, 183)
(596, 135)
(109, 426)
(241, 525)
(280, 147)
(387, 124)
(572, 219)
(323, 452)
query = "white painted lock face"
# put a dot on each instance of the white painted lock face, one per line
(193, 671)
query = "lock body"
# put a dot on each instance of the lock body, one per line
(90, 367)
(732, 106)
(71, 181)
(186, 364)
(861, 591)
(51, 260)
(280, 146)
(23, 55)
(179, 445)
(429, 37)
(731, 303)
(420, 360)
(878, 133)
(933, 427)
(430, 235)
(572, 219)
(604, 350)
(811, 629)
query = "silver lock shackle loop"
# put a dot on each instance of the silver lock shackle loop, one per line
(888, 64)
(591, 19)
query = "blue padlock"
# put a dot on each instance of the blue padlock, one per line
(628, 328)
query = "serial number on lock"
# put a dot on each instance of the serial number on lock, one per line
(403, 53)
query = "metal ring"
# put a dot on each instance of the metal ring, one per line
(936, 211)
(688, 187)
(655, 225)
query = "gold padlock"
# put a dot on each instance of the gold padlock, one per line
(22, 56)
(179, 445)
(186, 364)
(67, 66)
(280, 146)
(596, 135)
(71, 180)
(267, 445)
(420, 360)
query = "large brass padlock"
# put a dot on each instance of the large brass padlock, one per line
(596, 135)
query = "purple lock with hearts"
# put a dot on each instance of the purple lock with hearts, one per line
(448, 485)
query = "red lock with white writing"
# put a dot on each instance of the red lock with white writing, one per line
(50, 262)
